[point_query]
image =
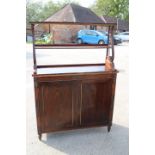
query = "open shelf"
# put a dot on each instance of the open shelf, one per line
(69, 46)
(69, 65)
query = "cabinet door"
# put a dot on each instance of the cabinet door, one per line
(57, 105)
(96, 100)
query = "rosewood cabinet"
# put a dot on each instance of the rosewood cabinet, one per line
(74, 96)
(73, 101)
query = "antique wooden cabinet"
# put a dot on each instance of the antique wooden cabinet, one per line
(74, 96)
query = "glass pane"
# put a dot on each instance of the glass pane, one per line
(69, 34)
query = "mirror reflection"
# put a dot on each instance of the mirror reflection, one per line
(71, 34)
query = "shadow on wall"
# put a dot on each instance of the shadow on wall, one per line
(94, 141)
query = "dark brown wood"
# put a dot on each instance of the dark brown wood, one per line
(49, 28)
(74, 100)
(75, 23)
(70, 46)
(69, 65)
(34, 52)
(109, 128)
(112, 43)
(96, 96)
(86, 101)
(56, 98)
(40, 136)
(108, 41)
(74, 76)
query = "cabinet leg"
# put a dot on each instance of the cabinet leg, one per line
(109, 128)
(40, 135)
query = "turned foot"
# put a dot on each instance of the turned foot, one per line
(109, 128)
(40, 135)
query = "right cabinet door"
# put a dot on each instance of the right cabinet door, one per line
(96, 101)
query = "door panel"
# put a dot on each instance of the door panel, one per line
(57, 105)
(96, 101)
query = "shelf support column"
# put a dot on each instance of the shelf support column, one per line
(107, 53)
(34, 53)
(49, 26)
(112, 43)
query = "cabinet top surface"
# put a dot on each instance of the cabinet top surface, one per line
(73, 71)
(65, 70)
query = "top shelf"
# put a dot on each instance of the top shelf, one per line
(76, 23)
(47, 28)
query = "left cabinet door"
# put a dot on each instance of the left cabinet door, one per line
(56, 100)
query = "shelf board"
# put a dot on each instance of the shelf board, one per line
(74, 23)
(69, 65)
(70, 46)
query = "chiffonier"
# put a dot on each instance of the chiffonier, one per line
(74, 96)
